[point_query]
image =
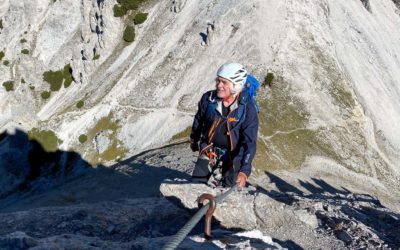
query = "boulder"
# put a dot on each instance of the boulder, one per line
(235, 211)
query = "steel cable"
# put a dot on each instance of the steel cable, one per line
(174, 242)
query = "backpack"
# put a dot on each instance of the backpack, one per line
(251, 87)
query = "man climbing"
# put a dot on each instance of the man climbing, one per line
(225, 129)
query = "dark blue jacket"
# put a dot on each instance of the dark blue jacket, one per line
(242, 131)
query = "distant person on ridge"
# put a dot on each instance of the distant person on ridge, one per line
(225, 129)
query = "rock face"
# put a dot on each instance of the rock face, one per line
(119, 207)
(344, 219)
(102, 141)
(327, 122)
(322, 103)
(237, 210)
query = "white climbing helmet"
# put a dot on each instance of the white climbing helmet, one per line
(235, 73)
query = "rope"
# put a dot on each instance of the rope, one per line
(185, 230)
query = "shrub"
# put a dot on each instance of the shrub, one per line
(97, 56)
(32, 87)
(80, 104)
(22, 80)
(67, 70)
(47, 139)
(54, 78)
(183, 134)
(119, 10)
(23, 40)
(268, 79)
(6, 63)
(67, 82)
(82, 138)
(130, 4)
(9, 85)
(129, 34)
(140, 18)
(45, 94)
(1, 55)
(1, 24)
(25, 51)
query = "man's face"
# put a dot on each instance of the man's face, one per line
(223, 87)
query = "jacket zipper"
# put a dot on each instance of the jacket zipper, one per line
(229, 130)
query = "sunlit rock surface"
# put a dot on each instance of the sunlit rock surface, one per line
(327, 166)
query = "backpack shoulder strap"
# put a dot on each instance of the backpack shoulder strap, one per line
(241, 113)
(211, 105)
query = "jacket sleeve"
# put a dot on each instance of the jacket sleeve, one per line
(199, 119)
(249, 130)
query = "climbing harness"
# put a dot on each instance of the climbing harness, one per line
(217, 157)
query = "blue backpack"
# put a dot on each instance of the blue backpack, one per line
(251, 87)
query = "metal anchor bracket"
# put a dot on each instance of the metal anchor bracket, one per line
(209, 213)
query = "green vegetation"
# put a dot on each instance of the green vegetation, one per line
(130, 4)
(129, 34)
(97, 56)
(47, 139)
(124, 6)
(67, 75)
(282, 111)
(22, 80)
(6, 63)
(285, 140)
(80, 104)
(45, 94)
(82, 138)
(23, 40)
(119, 10)
(57, 78)
(25, 51)
(54, 78)
(115, 151)
(268, 80)
(9, 85)
(183, 134)
(332, 80)
(140, 18)
(1, 55)
(1, 24)
(32, 87)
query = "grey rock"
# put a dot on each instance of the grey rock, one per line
(344, 236)
(17, 240)
(102, 141)
(307, 218)
(227, 211)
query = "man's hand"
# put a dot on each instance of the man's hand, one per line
(194, 146)
(241, 180)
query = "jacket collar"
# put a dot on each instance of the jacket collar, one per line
(233, 106)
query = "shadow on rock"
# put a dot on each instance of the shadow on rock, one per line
(359, 220)
(32, 177)
(26, 167)
(289, 244)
